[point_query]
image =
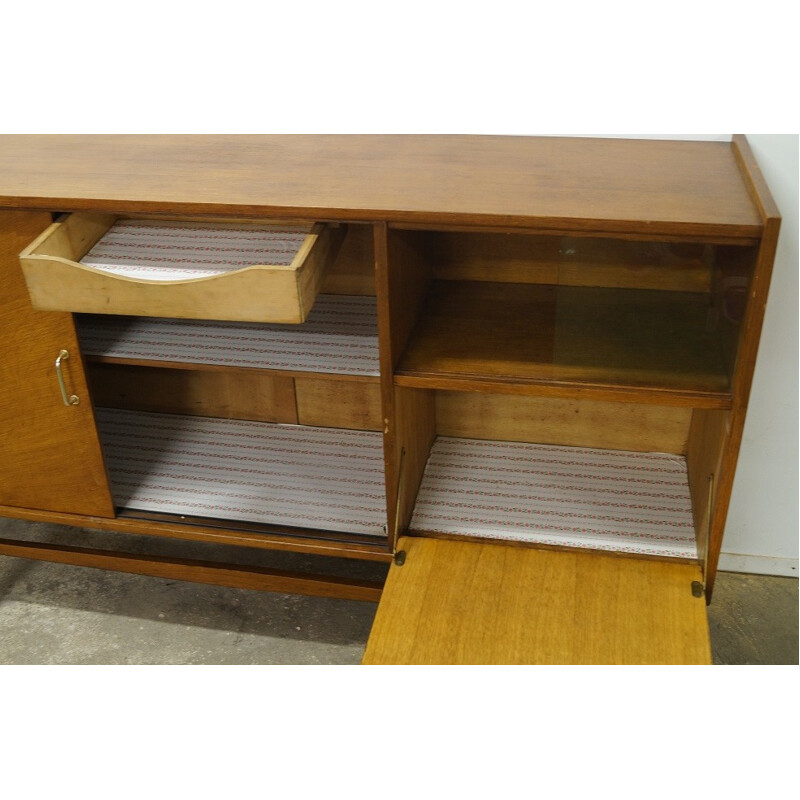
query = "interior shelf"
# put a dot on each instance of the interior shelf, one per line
(327, 479)
(340, 337)
(570, 496)
(477, 335)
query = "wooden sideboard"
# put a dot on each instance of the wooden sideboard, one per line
(516, 369)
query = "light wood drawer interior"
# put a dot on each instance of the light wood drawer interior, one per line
(240, 271)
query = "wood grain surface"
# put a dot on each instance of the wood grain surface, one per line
(203, 529)
(744, 367)
(338, 404)
(597, 339)
(690, 188)
(469, 603)
(217, 574)
(227, 394)
(58, 281)
(551, 420)
(572, 261)
(51, 456)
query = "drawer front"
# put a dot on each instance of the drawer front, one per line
(97, 263)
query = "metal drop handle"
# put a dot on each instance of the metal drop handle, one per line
(69, 399)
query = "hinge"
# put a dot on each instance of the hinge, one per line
(400, 558)
(698, 589)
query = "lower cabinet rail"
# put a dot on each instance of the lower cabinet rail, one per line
(196, 571)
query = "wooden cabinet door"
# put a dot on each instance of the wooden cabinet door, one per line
(463, 602)
(50, 456)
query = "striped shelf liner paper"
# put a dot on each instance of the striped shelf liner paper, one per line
(340, 337)
(323, 478)
(576, 497)
(174, 251)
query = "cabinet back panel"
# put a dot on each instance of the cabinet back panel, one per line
(194, 392)
(230, 394)
(572, 261)
(572, 336)
(339, 404)
(580, 423)
(353, 270)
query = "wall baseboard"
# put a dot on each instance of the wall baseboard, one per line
(758, 565)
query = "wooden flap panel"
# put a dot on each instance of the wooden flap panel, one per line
(471, 603)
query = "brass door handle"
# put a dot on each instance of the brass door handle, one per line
(69, 399)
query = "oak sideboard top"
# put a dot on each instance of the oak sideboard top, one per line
(638, 187)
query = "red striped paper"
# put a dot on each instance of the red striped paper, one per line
(163, 250)
(340, 337)
(294, 475)
(571, 496)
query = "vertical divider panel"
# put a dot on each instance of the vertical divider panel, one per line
(403, 274)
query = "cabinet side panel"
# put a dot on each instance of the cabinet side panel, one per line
(744, 367)
(742, 381)
(51, 453)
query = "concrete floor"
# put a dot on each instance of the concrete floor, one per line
(58, 614)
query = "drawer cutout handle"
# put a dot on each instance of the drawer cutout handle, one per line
(69, 399)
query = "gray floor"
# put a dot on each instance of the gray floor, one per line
(57, 614)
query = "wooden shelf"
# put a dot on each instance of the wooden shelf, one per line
(340, 338)
(564, 496)
(646, 346)
(302, 477)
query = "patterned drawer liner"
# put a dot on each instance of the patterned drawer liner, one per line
(324, 478)
(339, 337)
(571, 496)
(175, 251)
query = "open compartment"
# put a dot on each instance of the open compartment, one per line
(292, 476)
(299, 456)
(255, 427)
(567, 316)
(247, 271)
(586, 474)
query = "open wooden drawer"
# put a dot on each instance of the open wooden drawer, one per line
(489, 603)
(251, 272)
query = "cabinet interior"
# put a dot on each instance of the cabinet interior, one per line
(306, 392)
(620, 349)
(513, 346)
